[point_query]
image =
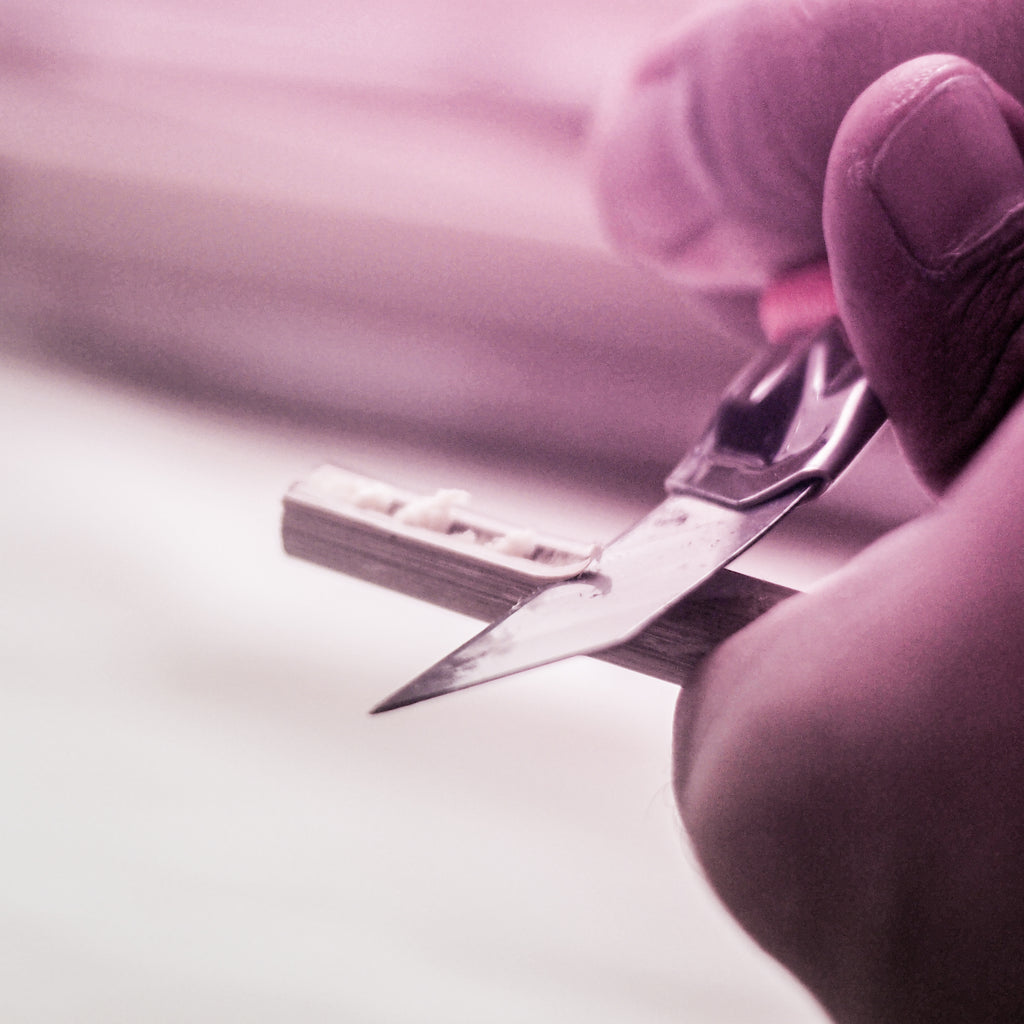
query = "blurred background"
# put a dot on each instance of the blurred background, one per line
(241, 238)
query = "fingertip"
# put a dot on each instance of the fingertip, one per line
(928, 147)
(922, 216)
(690, 175)
(797, 302)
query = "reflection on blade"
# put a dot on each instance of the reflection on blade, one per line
(658, 561)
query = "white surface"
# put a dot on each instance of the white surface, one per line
(200, 821)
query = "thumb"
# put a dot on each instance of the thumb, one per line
(924, 223)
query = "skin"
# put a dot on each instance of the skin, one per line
(850, 768)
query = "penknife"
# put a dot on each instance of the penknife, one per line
(783, 432)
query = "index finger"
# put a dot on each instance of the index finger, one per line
(711, 164)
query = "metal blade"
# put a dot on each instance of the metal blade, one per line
(649, 568)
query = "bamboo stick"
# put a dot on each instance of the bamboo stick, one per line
(475, 565)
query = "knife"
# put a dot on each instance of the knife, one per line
(783, 432)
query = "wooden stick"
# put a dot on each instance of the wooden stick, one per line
(434, 549)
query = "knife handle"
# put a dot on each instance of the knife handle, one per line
(325, 522)
(797, 415)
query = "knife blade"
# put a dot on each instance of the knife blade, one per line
(786, 428)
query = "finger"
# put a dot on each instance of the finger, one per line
(924, 216)
(712, 162)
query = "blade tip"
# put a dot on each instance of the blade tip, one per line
(399, 699)
(388, 704)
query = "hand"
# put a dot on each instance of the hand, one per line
(851, 767)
